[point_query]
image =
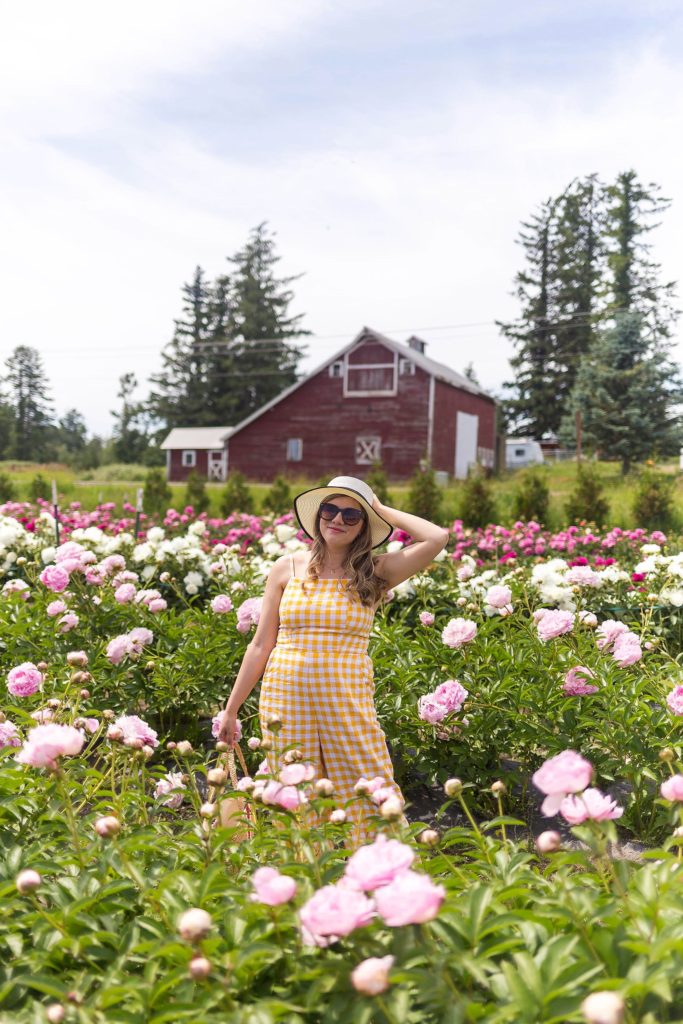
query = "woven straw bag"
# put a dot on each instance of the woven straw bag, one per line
(235, 811)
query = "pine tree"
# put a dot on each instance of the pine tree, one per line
(130, 437)
(72, 435)
(627, 390)
(33, 415)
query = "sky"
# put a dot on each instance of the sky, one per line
(393, 146)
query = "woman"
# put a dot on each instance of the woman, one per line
(313, 633)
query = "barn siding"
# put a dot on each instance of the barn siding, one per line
(179, 473)
(448, 401)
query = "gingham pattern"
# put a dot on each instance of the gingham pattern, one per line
(319, 682)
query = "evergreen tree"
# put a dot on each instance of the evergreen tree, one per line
(130, 437)
(33, 415)
(72, 433)
(627, 390)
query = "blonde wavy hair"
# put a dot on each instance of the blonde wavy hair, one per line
(365, 585)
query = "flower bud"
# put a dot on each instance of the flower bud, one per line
(54, 1013)
(184, 748)
(430, 837)
(499, 788)
(253, 742)
(324, 787)
(54, 703)
(338, 816)
(200, 968)
(548, 842)
(42, 666)
(678, 832)
(274, 724)
(115, 733)
(21, 560)
(603, 1008)
(85, 694)
(108, 714)
(3, 716)
(74, 997)
(266, 745)
(208, 810)
(165, 577)
(194, 924)
(666, 754)
(452, 787)
(77, 658)
(391, 808)
(461, 602)
(171, 745)
(27, 880)
(371, 977)
(147, 752)
(221, 747)
(216, 777)
(134, 742)
(108, 825)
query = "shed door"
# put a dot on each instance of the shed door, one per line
(216, 464)
(466, 436)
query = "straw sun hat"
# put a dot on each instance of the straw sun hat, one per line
(307, 503)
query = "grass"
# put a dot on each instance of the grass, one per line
(119, 483)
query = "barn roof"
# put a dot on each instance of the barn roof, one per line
(196, 437)
(430, 366)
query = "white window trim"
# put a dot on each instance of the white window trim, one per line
(384, 393)
(406, 367)
(193, 458)
(338, 363)
(300, 450)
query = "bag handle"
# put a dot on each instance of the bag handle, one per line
(230, 759)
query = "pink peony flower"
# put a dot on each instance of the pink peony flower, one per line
(125, 593)
(575, 682)
(675, 700)
(498, 597)
(55, 577)
(458, 632)
(134, 728)
(294, 774)
(216, 723)
(451, 694)
(20, 587)
(588, 619)
(411, 898)
(430, 709)
(672, 789)
(9, 737)
(583, 576)
(590, 805)
(45, 743)
(169, 790)
(565, 773)
(332, 912)
(118, 648)
(68, 622)
(156, 605)
(140, 637)
(627, 650)
(271, 887)
(608, 631)
(426, 618)
(371, 976)
(378, 863)
(112, 563)
(554, 624)
(221, 604)
(248, 614)
(55, 608)
(24, 680)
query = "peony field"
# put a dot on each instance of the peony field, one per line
(531, 690)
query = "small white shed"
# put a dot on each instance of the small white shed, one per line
(522, 451)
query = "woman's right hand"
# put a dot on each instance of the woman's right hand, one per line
(228, 730)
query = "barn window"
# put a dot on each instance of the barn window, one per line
(520, 453)
(295, 449)
(336, 369)
(189, 458)
(368, 450)
(406, 367)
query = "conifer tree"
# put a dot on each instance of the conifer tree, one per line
(32, 434)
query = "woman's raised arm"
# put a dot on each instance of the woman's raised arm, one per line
(428, 540)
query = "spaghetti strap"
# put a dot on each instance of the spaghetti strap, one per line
(291, 567)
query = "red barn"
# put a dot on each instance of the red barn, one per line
(374, 400)
(196, 449)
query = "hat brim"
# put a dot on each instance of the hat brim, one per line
(307, 503)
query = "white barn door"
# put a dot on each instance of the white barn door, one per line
(466, 437)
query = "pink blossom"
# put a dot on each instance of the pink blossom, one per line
(216, 723)
(68, 622)
(583, 576)
(43, 715)
(118, 648)
(9, 737)
(20, 587)
(451, 694)
(55, 608)
(675, 700)
(221, 604)
(271, 887)
(332, 912)
(157, 604)
(565, 773)
(426, 618)
(54, 577)
(134, 728)
(608, 631)
(411, 898)
(498, 596)
(672, 789)
(371, 976)
(287, 797)
(627, 650)
(378, 863)
(24, 680)
(430, 709)
(575, 682)
(112, 563)
(591, 805)
(294, 774)
(248, 614)
(45, 743)
(554, 624)
(458, 632)
(140, 637)
(588, 619)
(125, 593)
(170, 789)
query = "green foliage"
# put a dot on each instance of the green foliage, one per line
(32, 430)
(157, 493)
(39, 487)
(377, 480)
(278, 499)
(587, 501)
(195, 492)
(8, 491)
(532, 495)
(236, 496)
(477, 505)
(425, 497)
(653, 505)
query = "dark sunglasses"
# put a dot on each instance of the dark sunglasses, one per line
(350, 516)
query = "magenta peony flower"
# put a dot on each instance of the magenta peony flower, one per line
(608, 631)
(169, 790)
(125, 593)
(55, 608)
(590, 805)
(134, 728)
(554, 624)
(271, 887)
(411, 898)
(458, 632)
(426, 618)
(575, 682)
(55, 577)
(24, 680)
(9, 737)
(675, 700)
(45, 743)
(627, 650)
(248, 614)
(221, 604)
(371, 976)
(378, 863)
(565, 773)
(672, 789)
(332, 912)
(498, 597)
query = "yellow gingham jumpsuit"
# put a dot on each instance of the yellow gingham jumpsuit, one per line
(319, 682)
